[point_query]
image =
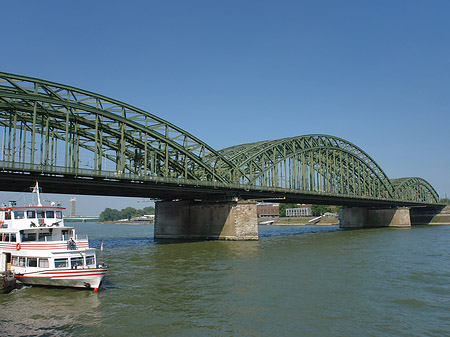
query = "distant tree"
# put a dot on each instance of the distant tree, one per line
(149, 210)
(285, 206)
(320, 209)
(139, 212)
(127, 213)
(445, 201)
(109, 215)
(145, 211)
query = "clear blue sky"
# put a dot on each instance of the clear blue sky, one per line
(376, 73)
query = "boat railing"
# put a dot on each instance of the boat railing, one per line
(67, 237)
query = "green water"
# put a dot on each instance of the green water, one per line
(294, 281)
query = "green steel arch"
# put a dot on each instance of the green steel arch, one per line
(317, 163)
(53, 124)
(48, 125)
(414, 188)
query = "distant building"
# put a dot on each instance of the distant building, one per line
(268, 210)
(303, 211)
(73, 207)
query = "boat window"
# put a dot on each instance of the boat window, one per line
(19, 215)
(90, 260)
(1, 237)
(31, 214)
(15, 261)
(29, 237)
(21, 261)
(43, 263)
(66, 234)
(7, 215)
(58, 215)
(32, 262)
(42, 236)
(76, 262)
(6, 237)
(12, 238)
(50, 214)
(61, 263)
(40, 214)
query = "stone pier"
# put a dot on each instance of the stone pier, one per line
(361, 217)
(206, 220)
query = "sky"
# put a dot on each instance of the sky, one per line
(376, 73)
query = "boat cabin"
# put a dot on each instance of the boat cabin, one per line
(31, 217)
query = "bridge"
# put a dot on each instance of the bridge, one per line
(78, 142)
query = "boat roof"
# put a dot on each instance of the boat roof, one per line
(30, 207)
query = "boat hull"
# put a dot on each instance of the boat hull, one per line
(77, 278)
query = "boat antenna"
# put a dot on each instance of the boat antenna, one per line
(36, 190)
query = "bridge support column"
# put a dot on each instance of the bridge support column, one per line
(206, 220)
(360, 217)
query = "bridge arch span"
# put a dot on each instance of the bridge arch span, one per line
(55, 130)
(320, 163)
(415, 188)
(51, 124)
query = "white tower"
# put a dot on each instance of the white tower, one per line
(73, 207)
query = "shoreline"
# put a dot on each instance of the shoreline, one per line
(302, 222)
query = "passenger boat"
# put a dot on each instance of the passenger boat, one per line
(39, 250)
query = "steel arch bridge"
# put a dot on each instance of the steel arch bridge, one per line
(81, 142)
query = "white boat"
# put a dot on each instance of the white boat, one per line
(39, 250)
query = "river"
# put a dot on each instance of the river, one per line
(293, 281)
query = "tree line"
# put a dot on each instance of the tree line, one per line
(110, 214)
(445, 201)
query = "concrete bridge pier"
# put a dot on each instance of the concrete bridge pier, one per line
(361, 217)
(206, 220)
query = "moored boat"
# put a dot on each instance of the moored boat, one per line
(39, 250)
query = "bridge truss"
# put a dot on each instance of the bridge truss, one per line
(59, 132)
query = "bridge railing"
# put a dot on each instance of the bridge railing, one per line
(15, 167)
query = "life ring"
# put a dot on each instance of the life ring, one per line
(18, 246)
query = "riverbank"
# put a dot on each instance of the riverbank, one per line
(328, 221)
(127, 222)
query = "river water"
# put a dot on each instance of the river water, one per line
(293, 281)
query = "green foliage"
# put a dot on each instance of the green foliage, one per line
(320, 209)
(445, 201)
(109, 215)
(283, 208)
(127, 213)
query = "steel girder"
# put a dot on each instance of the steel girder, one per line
(318, 163)
(414, 188)
(323, 163)
(47, 123)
